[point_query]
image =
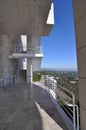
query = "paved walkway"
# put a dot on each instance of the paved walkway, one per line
(28, 108)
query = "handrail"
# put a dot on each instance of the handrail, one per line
(71, 105)
(67, 99)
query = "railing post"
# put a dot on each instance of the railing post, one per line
(74, 116)
(77, 117)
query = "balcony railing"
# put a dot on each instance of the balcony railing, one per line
(65, 99)
(35, 50)
(10, 81)
(30, 50)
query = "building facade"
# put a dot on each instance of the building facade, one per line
(22, 23)
(80, 29)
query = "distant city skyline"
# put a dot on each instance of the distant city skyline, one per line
(59, 47)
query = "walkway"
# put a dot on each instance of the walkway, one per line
(28, 108)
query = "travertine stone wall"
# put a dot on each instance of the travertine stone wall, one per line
(80, 29)
(8, 66)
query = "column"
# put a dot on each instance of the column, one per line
(29, 61)
(29, 71)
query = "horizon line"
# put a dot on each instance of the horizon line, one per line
(61, 69)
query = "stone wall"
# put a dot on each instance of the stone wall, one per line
(8, 67)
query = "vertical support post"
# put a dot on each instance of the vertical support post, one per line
(29, 71)
(74, 116)
(77, 117)
(29, 61)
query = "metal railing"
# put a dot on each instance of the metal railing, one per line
(11, 81)
(30, 50)
(65, 99)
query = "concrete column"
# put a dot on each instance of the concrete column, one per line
(33, 64)
(29, 61)
(29, 71)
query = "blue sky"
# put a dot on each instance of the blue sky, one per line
(59, 47)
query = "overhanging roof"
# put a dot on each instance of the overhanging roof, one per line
(26, 17)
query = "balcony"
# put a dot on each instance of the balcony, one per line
(28, 107)
(23, 52)
(43, 105)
